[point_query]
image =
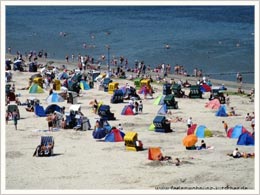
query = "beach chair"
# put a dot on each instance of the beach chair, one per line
(79, 124)
(167, 89)
(161, 125)
(45, 148)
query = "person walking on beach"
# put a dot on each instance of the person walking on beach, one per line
(15, 118)
(225, 126)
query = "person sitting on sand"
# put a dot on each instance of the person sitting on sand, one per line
(177, 162)
(232, 112)
(203, 145)
(248, 117)
(236, 153)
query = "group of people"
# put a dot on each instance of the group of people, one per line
(137, 107)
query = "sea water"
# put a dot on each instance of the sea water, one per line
(215, 39)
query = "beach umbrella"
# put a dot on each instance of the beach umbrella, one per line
(54, 97)
(190, 140)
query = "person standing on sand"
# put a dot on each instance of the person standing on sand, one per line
(227, 100)
(225, 126)
(50, 122)
(15, 118)
(189, 122)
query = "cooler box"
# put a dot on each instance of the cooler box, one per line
(167, 89)
(56, 85)
(161, 125)
(170, 102)
(112, 87)
(195, 92)
(137, 83)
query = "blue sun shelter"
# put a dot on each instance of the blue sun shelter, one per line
(54, 97)
(246, 139)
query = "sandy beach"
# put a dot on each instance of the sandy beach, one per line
(83, 163)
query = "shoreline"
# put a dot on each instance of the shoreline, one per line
(232, 85)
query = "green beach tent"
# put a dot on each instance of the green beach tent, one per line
(35, 88)
(159, 100)
(152, 127)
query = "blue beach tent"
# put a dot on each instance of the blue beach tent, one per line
(246, 139)
(222, 111)
(163, 110)
(39, 110)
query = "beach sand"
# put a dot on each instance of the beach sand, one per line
(83, 163)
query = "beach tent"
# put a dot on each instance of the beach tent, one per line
(54, 97)
(154, 153)
(163, 110)
(200, 131)
(236, 131)
(205, 88)
(115, 136)
(84, 85)
(213, 104)
(222, 111)
(35, 88)
(246, 139)
(159, 100)
(152, 127)
(52, 108)
(39, 110)
(99, 133)
(127, 110)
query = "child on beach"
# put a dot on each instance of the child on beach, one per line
(140, 107)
